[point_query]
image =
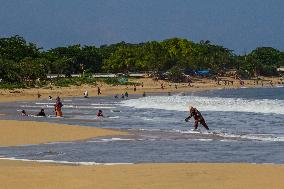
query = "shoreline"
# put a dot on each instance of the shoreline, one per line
(70, 163)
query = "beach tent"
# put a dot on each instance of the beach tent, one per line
(122, 80)
(202, 72)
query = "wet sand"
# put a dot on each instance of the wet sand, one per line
(14, 133)
(30, 175)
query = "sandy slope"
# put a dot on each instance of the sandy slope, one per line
(28, 132)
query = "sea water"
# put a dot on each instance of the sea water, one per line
(246, 125)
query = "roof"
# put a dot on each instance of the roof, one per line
(280, 69)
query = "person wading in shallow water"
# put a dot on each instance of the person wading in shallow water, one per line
(41, 113)
(57, 107)
(100, 113)
(193, 112)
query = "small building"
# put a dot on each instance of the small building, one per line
(280, 69)
(231, 72)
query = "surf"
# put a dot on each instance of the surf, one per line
(181, 103)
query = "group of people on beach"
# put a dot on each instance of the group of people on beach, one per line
(193, 112)
(57, 108)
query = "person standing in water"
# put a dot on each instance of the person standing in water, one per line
(58, 105)
(193, 112)
(100, 113)
(41, 113)
(126, 94)
(24, 113)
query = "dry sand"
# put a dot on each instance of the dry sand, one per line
(29, 175)
(28, 132)
(149, 86)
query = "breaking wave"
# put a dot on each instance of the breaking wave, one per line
(181, 103)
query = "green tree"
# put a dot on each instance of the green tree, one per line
(16, 48)
(32, 70)
(9, 71)
(263, 61)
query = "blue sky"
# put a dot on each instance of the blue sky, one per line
(238, 25)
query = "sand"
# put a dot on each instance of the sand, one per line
(29, 175)
(150, 86)
(28, 132)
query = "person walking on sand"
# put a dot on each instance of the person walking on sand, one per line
(38, 95)
(99, 91)
(193, 112)
(86, 95)
(57, 107)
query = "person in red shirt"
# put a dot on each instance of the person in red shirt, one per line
(193, 112)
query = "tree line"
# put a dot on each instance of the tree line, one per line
(24, 62)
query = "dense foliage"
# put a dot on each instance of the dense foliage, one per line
(23, 62)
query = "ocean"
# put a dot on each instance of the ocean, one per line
(246, 125)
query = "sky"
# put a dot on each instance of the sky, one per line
(240, 25)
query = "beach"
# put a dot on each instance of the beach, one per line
(19, 174)
(30, 175)
(149, 86)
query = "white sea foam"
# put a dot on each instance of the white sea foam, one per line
(204, 140)
(114, 117)
(44, 103)
(181, 103)
(47, 105)
(102, 104)
(266, 138)
(257, 137)
(115, 139)
(62, 162)
(110, 140)
(60, 143)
